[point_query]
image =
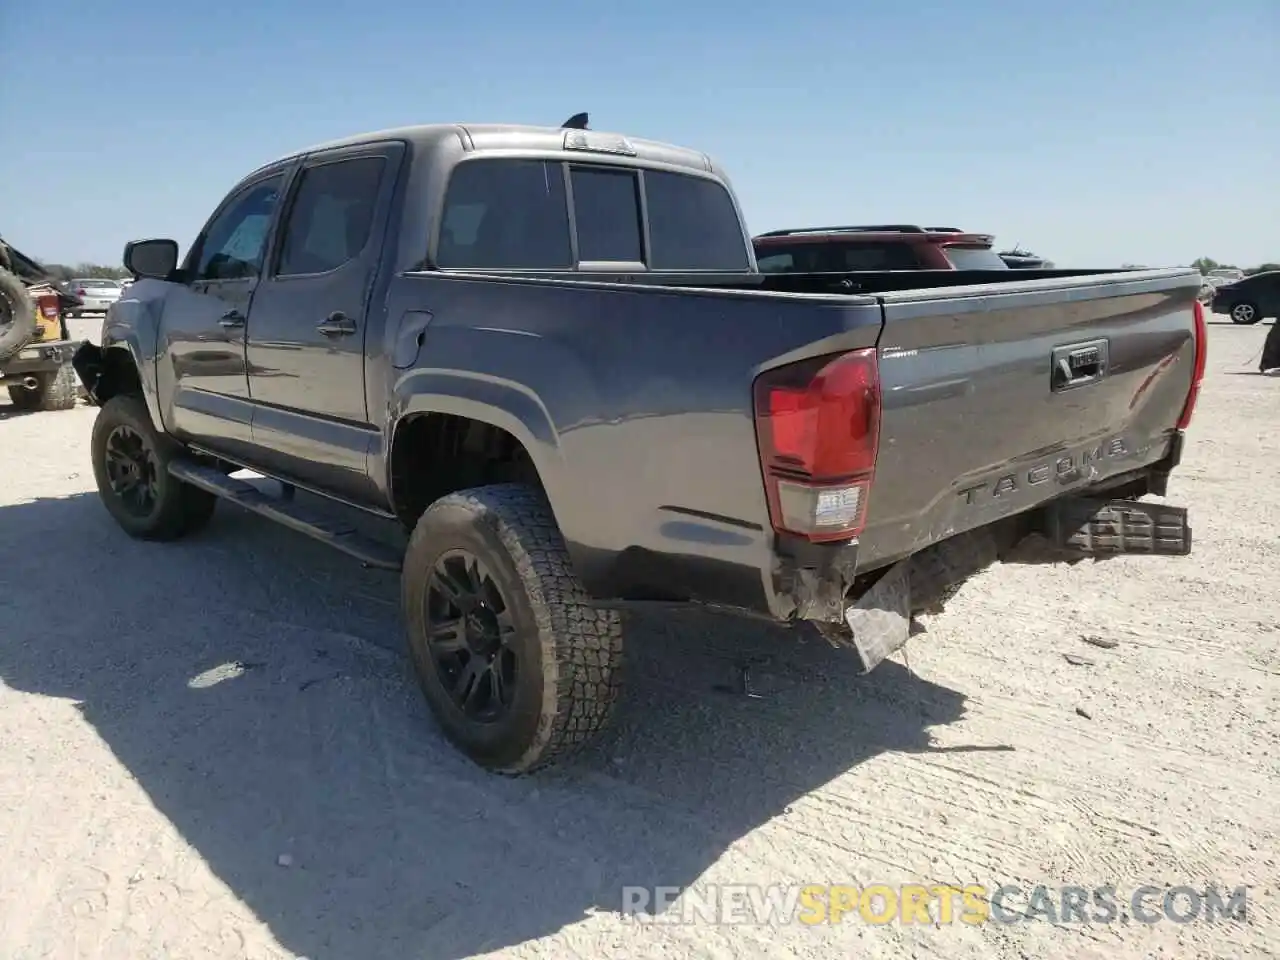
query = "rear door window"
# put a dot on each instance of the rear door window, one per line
(331, 216)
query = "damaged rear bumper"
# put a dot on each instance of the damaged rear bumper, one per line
(873, 613)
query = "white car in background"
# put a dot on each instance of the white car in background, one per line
(96, 294)
(1225, 275)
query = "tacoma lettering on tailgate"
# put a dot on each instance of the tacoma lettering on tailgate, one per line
(1070, 468)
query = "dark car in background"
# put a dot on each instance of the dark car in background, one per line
(874, 247)
(1249, 300)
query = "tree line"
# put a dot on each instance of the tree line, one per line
(1205, 264)
(83, 271)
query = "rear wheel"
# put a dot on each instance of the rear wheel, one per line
(1245, 313)
(54, 390)
(518, 669)
(131, 465)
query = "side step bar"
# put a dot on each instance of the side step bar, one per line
(336, 533)
(1102, 527)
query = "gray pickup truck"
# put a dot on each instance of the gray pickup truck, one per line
(548, 353)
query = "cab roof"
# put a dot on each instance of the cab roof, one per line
(507, 136)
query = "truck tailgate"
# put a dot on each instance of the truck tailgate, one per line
(1001, 397)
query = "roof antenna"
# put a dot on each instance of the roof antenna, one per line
(577, 122)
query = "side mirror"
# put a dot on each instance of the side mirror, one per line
(155, 259)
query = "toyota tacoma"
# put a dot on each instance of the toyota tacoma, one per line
(549, 354)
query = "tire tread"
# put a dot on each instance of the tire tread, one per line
(582, 670)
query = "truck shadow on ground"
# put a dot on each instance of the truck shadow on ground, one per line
(252, 684)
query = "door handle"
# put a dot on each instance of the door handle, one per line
(231, 319)
(337, 324)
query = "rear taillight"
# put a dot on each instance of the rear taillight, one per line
(80, 292)
(48, 305)
(1201, 347)
(818, 427)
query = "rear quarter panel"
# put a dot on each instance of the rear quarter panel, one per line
(634, 403)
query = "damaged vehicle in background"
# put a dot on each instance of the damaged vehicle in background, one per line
(549, 355)
(35, 347)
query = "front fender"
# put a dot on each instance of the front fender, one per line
(130, 327)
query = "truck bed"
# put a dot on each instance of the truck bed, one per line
(978, 422)
(650, 411)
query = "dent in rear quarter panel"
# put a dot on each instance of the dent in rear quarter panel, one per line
(635, 405)
(972, 432)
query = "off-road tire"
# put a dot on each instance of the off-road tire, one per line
(17, 315)
(1254, 314)
(179, 508)
(568, 653)
(58, 390)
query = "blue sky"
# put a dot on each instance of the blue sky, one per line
(1092, 132)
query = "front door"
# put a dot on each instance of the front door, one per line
(205, 319)
(306, 342)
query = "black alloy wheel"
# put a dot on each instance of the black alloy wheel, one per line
(132, 470)
(470, 629)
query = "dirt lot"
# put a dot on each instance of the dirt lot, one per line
(212, 749)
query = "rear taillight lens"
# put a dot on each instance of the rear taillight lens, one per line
(1197, 370)
(80, 292)
(818, 427)
(48, 305)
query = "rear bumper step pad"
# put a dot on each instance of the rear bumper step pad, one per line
(1098, 527)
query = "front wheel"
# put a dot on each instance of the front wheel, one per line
(518, 669)
(131, 465)
(1245, 313)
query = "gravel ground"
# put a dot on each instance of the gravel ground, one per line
(212, 748)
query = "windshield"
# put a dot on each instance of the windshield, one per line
(974, 258)
(95, 282)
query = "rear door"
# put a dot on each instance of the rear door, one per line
(306, 335)
(999, 397)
